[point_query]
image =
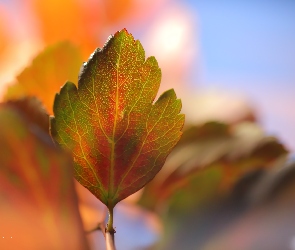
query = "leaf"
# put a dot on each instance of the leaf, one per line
(202, 194)
(32, 110)
(47, 73)
(258, 213)
(208, 161)
(38, 203)
(269, 221)
(118, 137)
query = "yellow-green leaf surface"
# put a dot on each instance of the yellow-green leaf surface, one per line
(47, 73)
(119, 138)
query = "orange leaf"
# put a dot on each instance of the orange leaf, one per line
(48, 71)
(38, 203)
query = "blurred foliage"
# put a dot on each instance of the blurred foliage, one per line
(48, 71)
(77, 21)
(38, 204)
(3, 36)
(31, 109)
(82, 23)
(225, 186)
(211, 158)
(202, 189)
(258, 213)
(269, 221)
(208, 182)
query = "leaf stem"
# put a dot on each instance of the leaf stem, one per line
(110, 227)
(110, 231)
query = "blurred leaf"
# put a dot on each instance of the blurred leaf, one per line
(207, 188)
(218, 178)
(116, 9)
(207, 163)
(38, 204)
(209, 130)
(32, 110)
(258, 213)
(47, 73)
(111, 124)
(77, 21)
(269, 223)
(3, 33)
(194, 227)
(81, 22)
(85, 23)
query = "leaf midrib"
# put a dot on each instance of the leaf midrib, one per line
(111, 175)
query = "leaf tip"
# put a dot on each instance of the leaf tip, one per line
(170, 93)
(66, 88)
(69, 86)
(123, 31)
(124, 34)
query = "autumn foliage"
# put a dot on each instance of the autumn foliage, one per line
(100, 122)
(116, 149)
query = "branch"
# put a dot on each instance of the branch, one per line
(108, 231)
(110, 241)
(100, 227)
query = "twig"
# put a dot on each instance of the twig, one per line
(110, 241)
(110, 231)
(100, 227)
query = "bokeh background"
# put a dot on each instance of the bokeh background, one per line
(229, 61)
(225, 53)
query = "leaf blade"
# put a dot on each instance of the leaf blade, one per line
(118, 136)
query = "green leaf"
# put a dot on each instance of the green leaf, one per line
(38, 203)
(119, 138)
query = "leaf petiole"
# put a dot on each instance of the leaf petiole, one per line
(110, 231)
(110, 227)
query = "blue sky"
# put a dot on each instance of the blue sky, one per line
(251, 38)
(249, 47)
